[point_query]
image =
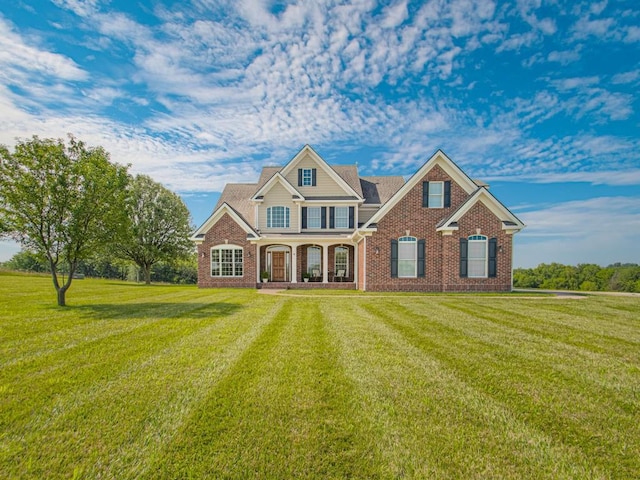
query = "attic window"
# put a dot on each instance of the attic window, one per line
(306, 177)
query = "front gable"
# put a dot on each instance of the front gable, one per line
(509, 222)
(438, 168)
(224, 209)
(313, 177)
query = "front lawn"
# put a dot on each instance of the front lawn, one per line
(175, 382)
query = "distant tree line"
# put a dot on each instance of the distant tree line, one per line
(179, 271)
(617, 277)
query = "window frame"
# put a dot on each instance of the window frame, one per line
(408, 261)
(436, 196)
(311, 217)
(477, 260)
(337, 217)
(286, 216)
(307, 177)
(236, 265)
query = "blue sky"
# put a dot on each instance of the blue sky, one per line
(538, 98)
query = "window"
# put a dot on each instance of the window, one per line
(407, 256)
(436, 194)
(306, 177)
(314, 217)
(477, 256)
(342, 260)
(226, 261)
(342, 217)
(278, 217)
(313, 261)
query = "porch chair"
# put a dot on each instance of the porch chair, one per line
(340, 275)
(315, 274)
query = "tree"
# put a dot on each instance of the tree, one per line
(62, 202)
(159, 226)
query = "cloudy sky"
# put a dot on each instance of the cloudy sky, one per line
(538, 98)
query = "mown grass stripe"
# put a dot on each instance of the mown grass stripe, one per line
(431, 424)
(554, 401)
(283, 413)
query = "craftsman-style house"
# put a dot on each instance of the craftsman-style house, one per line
(313, 225)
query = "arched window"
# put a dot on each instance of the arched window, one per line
(407, 257)
(226, 261)
(278, 217)
(477, 256)
(341, 260)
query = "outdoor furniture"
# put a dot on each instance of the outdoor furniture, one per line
(340, 276)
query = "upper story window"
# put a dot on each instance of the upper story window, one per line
(226, 261)
(314, 217)
(306, 177)
(342, 217)
(436, 194)
(278, 217)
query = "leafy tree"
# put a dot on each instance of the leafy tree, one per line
(159, 226)
(62, 202)
(26, 261)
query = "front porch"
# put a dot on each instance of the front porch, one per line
(326, 263)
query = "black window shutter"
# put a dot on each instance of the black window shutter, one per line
(323, 217)
(304, 217)
(447, 194)
(313, 177)
(493, 250)
(421, 260)
(332, 217)
(394, 258)
(299, 177)
(425, 194)
(352, 212)
(463, 257)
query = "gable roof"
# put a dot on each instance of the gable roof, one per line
(438, 158)
(378, 190)
(510, 222)
(344, 184)
(225, 208)
(277, 178)
(238, 196)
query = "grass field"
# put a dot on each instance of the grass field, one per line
(174, 382)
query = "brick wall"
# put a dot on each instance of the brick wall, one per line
(408, 217)
(226, 229)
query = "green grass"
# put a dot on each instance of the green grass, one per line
(175, 382)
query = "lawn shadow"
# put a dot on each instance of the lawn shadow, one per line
(145, 310)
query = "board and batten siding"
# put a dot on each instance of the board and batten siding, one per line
(278, 196)
(325, 185)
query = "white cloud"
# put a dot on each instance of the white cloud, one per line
(18, 58)
(601, 230)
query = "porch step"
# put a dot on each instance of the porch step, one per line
(307, 286)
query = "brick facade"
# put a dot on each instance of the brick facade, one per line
(442, 252)
(226, 231)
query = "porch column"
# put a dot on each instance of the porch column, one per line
(294, 263)
(258, 264)
(325, 264)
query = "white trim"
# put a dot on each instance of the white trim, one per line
(277, 177)
(438, 158)
(322, 164)
(500, 211)
(215, 217)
